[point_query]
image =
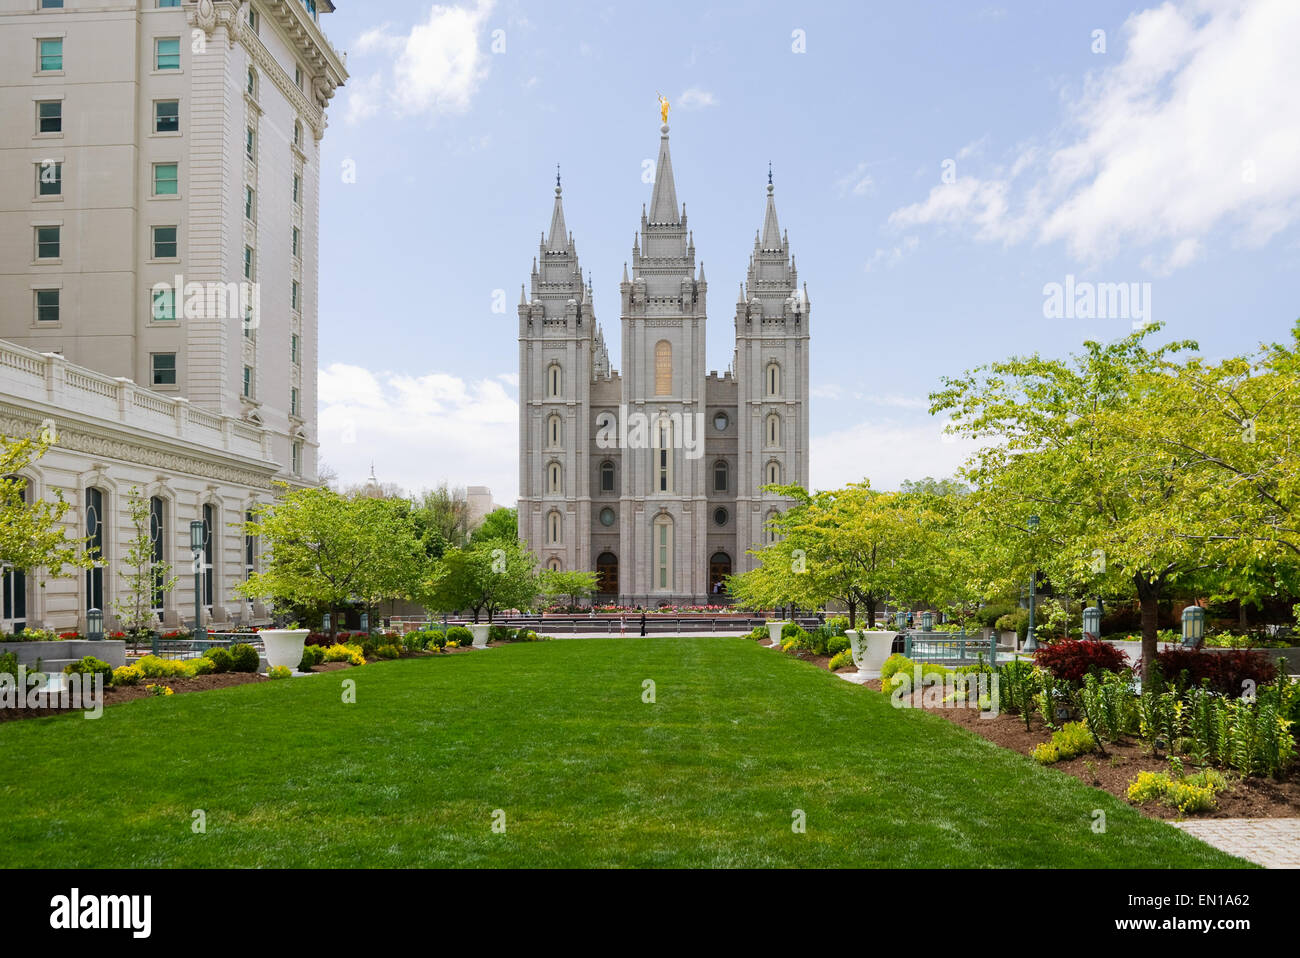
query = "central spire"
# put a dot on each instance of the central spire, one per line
(559, 238)
(663, 204)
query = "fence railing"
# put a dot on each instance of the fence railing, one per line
(949, 648)
(192, 648)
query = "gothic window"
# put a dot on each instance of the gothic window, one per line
(607, 476)
(773, 380)
(664, 456)
(773, 431)
(554, 432)
(770, 526)
(554, 381)
(555, 479)
(250, 546)
(720, 476)
(664, 368)
(553, 527)
(607, 574)
(719, 570)
(773, 473)
(663, 558)
(95, 548)
(555, 566)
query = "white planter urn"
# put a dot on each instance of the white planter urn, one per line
(774, 629)
(284, 647)
(870, 649)
(480, 635)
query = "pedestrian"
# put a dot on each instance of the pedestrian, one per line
(622, 624)
(643, 624)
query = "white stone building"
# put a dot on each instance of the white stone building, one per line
(653, 477)
(158, 270)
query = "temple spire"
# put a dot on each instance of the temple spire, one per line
(559, 238)
(771, 228)
(663, 203)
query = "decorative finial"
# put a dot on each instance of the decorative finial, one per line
(558, 188)
(769, 172)
(664, 107)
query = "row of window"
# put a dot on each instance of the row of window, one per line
(663, 376)
(555, 430)
(608, 517)
(607, 572)
(608, 476)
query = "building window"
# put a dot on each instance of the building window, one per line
(721, 517)
(51, 5)
(663, 561)
(720, 476)
(607, 574)
(770, 526)
(554, 526)
(297, 188)
(13, 582)
(252, 83)
(49, 116)
(773, 473)
(168, 3)
(47, 305)
(773, 380)
(554, 432)
(164, 305)
(163, 369)
(293, 401)
(608, 517)
(250, 143)
(297, 125)
(164, 242)
(248, 382)
(719, 571)
(250, 546)
(254, 20)
(167, 53)
(297, 458)
(664, 456)
(48, 242)
(663, 368)
(295, 291)
(607, 477)
(721, 421)
(51, 55)
(166, 180)
(297, 75)
(49, 178)
(296, 236)
(209, 553)
(554, 381)
(95, 548)
(555, 479)
(157, 536)
(248, 262)
(773, 431)
(249, 202)
(294, 349)
(167, 116)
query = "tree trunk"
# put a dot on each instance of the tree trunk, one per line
(1149, 596)
(853, 614)
(871, 612)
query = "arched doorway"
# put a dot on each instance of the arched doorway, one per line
(607, 574)
(719, 570)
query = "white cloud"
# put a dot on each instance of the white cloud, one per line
(858, 182)
(889, 258)
(1195, 129)
(420, 430)
(886, 453)
(696, 99)
(436, 67)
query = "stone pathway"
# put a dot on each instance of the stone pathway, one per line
(1271, 842)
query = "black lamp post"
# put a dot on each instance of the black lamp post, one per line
(198, 539)
(95, 625)
(1031, 641)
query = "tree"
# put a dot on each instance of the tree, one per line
(32, 535)
(442, 519)
(327, 551)
(484, 577)
(499, 525)
(146, 580)
(576, 586)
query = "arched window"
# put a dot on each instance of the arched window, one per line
(555, 565)
(555, 479)
(157, 541)
(770, 526)
(773, 434)
(720, 476)
(554, 380)
(607, 476)
(209, 553)
(607, 574)
(14, 582)
(663, 553)
(663, 453)
(95, 542)
(554, 527)
(663, 368)
(773, 380)
(554, 432)
(719, 570)
(773, 473)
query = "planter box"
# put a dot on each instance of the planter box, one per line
(870, 649)
(284, 647)
(112, 651)
(480, 635)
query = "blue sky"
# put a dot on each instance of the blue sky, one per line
(937, 165)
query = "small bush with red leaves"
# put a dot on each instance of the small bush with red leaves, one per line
(1226, 669)
(1070, 660)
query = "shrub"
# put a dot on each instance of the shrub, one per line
(127, 675)
(499, 633)
(200, 666)
(838, 625)
(1109, 704)
(899, 663)
(388, 652)
(987, 617)
(1070, 740)
(1188, 794)
(220, 658)
(760, 633)
(1017, 622)
(312, 656)
(9, 663)
(1149, 787)
(152, 667)
(162, 691)
(460, 635)
(841, 660)
(789, 630)
(1226, 671)
(90, 666)
(244, 658)
(437, 640)
(1070, 660)
(838, 645)
(345, 653)
(279, 672)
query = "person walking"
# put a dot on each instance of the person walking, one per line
(622, 624)
(643, 623)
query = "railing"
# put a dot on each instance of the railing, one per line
(192, 648)
(604, 625)
(949, 648)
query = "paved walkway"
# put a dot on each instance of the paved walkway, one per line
(1271, 842)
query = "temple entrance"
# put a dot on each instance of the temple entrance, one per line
(719, 570)
(607, 574)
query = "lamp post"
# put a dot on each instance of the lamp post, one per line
(1031, 641)
(1193, 626)
(927, 621)
(95, 625)
(1092, 624)
(900, 621)
(198, 539)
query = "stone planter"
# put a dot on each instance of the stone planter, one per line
(55, 655)
(284, 647)
(870, 649)
(774, 628)
(480, 635)
(1009, 640)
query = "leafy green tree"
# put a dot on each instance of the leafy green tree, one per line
(145, 581)
(499, 525)
(32, 534)
(442, 519)
(483, 577)
(573, 585)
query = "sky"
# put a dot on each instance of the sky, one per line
(949, 173)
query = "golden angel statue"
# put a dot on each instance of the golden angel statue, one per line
(664, 107)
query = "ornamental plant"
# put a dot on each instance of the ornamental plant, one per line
(1070, 660)
(1227, 671)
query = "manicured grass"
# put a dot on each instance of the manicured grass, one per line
(557, 736)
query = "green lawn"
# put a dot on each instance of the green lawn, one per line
(555, 735)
